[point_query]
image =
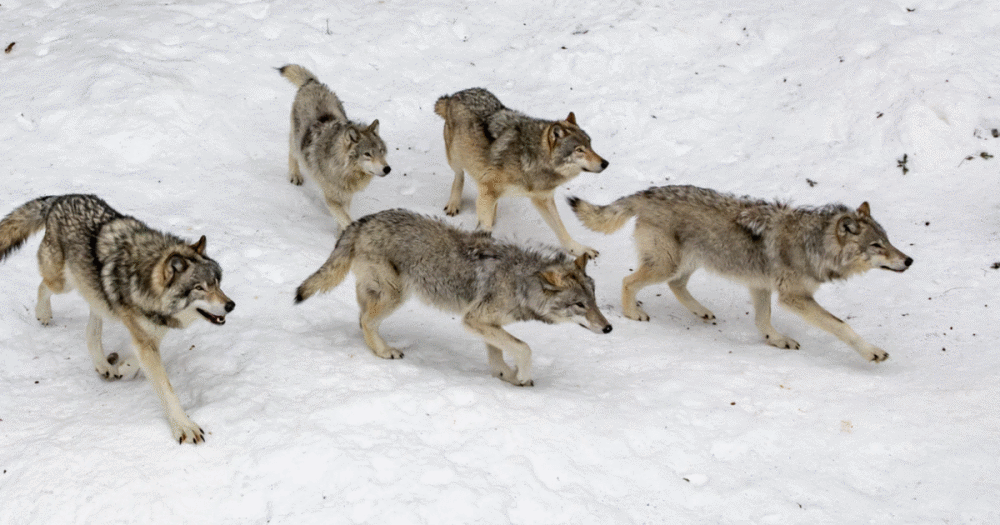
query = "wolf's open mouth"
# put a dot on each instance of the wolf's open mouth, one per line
(214, 319)
(894, 270)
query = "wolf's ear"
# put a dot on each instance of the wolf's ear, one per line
(556, 132)
(553, 280)
(847, 225)
(352, 135)
(865, 210)
(174, 265)
(374, 127)
(571, 118)
(199, 247)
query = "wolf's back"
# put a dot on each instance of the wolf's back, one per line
(605, 219)
(22, 223)
(333, 271)
(296, 74)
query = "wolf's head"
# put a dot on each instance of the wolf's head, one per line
(191, 283)
(366, 149)
(865, 245)
(570, 147)
(569, 296)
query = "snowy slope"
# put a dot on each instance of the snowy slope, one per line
(172, 112)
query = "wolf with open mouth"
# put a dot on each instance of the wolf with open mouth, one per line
(149, 280)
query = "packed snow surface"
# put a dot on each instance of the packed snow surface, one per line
(173, 112)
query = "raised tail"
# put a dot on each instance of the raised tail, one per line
(441, 106)
(297, 74)
(333, 271)
(22, 223)
(604, 219)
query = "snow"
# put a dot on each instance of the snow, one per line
(173, 113)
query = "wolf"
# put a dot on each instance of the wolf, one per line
(490, 283)
(342, 156)
(507, 152)
(767, 246)
(149, 280)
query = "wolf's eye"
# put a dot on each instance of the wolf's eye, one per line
(580, 305)
(199, 287)
(877, 246)
(580, 149)
(368, 155)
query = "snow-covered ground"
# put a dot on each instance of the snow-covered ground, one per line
(172, 112)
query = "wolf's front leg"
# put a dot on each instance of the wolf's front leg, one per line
(762, 317)
(811, 311)
(497, 337)
(547, 208)
(148, 353)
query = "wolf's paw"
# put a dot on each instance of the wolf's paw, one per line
(636, 314)
(128, 368)
(107, 369)
(452, 209)
(390, 353)
(43, 314)
(706, 316)
(187, 431)
(295, 179)
(875, 354)
(578, 249)
(511, 377)
(781, 341)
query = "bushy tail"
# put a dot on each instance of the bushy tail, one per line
(335, 268)
(604, 219)
(22, 223)
(441, 106)
(296, 74)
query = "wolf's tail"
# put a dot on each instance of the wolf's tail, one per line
(441, 106)
(297, 74)
(335, 268)
(22, 223)
(604, 219)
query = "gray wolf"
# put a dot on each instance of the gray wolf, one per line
(767, 246)
(340, 155)
(490, 283)
(149, 280)
(509, 153)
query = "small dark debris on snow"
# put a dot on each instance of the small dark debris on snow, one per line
(685, 479)
(10, 47)
(995, 266)
(985, 156)
(733, 403)
(811, 183)
(879, 115)
(995, 132)
(910, 10)
(901, 163)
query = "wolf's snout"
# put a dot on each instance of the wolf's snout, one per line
(604, 164)
(908, 262)
(229, 306)
(386, 170)
(607, 329)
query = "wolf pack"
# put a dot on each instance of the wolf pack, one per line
(152, 281)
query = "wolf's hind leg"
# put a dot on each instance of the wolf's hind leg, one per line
(678, 284)
(43, 309)
(103, 365)
(762, 317)
(377, 301)
(455, 198)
